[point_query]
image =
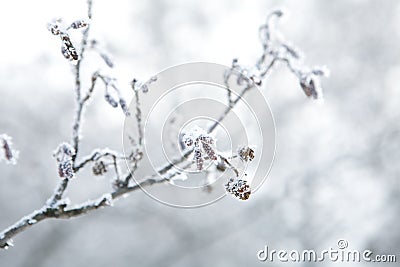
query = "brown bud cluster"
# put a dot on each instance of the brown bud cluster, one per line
(239, 188)
(202, 144)
(67, 49)
(246, 154)
(63, 155)
(99, 168)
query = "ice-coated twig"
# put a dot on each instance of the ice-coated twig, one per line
(58, 207)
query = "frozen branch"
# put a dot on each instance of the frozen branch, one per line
(58, 207)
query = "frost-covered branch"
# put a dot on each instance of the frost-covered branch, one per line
(200, 144)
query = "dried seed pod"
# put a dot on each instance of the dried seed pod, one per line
(209, 151)
(67, 49)
(202, 142)
(65, 169)
(63, 155)
(99, 168)
(187, 140)
(246, 154)
(239, 188)
(310, 86)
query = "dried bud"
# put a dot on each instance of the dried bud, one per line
(246, 154)
(310, 85)
(78, 24)
(187, 140)
(239, 188)
(65, 169)
(67, 49)
(99, 168)
(209, 151)
(202, 142)
(198, 158)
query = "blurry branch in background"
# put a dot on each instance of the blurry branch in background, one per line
(7, 152)
(67, 155)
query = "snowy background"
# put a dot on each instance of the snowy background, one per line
(336, 172)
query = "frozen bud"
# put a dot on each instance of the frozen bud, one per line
(67, 49)
(78, 24)
(134, 83)
(207, 139)
(64, 150)
(239, 188)
(203, 145)
(99, 168)
(256, 80)
(321, 71)
(277, 12)
(311, 87)
(8, 154)
(65, 169)
(124, 107)
(110, 100)
(198, 158)
(246, 154)
(107, 60)
(145, 88)
(187, 140)
(63, 155)
(234, 62)
(53, 28)
(209, 151)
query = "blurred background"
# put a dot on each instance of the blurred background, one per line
(336, 170)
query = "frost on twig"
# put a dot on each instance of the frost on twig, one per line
(7, 153)
(112, 94)
(199, 142)
(56, 27)
(94, 45)
(276, 49)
